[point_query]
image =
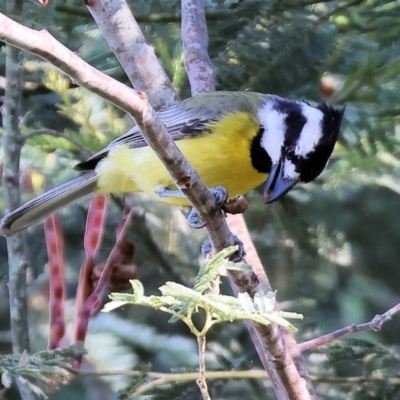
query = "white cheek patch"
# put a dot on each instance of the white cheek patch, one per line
(311, 132)
(273, 138)
(289, 170)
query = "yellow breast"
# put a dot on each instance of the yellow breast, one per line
(221, 156)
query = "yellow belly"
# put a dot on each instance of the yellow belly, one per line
(218, 157)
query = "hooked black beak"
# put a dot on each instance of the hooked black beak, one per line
(277, 185)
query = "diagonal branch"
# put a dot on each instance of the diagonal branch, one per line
(184, 177)
(375, 324)
(137, 58)
(275, 346)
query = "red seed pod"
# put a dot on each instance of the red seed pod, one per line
(55, 252)
(93, 302)
(95, 225)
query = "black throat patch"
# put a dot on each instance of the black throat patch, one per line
(260, 159)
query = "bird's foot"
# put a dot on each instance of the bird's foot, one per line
(238, 256)
(165, 192)
(193, 217)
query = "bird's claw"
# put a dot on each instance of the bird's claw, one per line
(237, 256)
(193, 217)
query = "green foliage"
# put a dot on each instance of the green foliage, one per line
(41, 371)
(375, 363)
(182, 302)
(362, 351)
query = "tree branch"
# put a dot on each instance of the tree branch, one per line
(15, 246)
(184, 177)
(137, 58)
(276, 346)
(289, 375)
(161, 379)
(375, 324)
(195, 44)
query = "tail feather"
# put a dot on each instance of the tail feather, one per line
(47, 203)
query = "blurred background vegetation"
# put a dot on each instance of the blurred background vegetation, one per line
(330, 248)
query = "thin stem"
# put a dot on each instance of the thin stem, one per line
(201, 380)
(375, 324)
(166, 378)
(162, 379)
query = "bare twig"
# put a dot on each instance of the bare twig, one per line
(161, 379)
(45, 46)
(165, 379)
(375, 324)
(128, 43)
(201, 380)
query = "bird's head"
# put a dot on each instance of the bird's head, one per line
(299, 139)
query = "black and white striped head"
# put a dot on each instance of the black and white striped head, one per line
(299, 138)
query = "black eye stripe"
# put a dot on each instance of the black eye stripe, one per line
(294, 121)
(294, 125)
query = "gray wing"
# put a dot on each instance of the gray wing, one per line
(178, 121)
(185, 120)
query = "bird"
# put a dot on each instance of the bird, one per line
(237, 140)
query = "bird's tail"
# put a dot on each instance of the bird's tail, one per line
(47, 203)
